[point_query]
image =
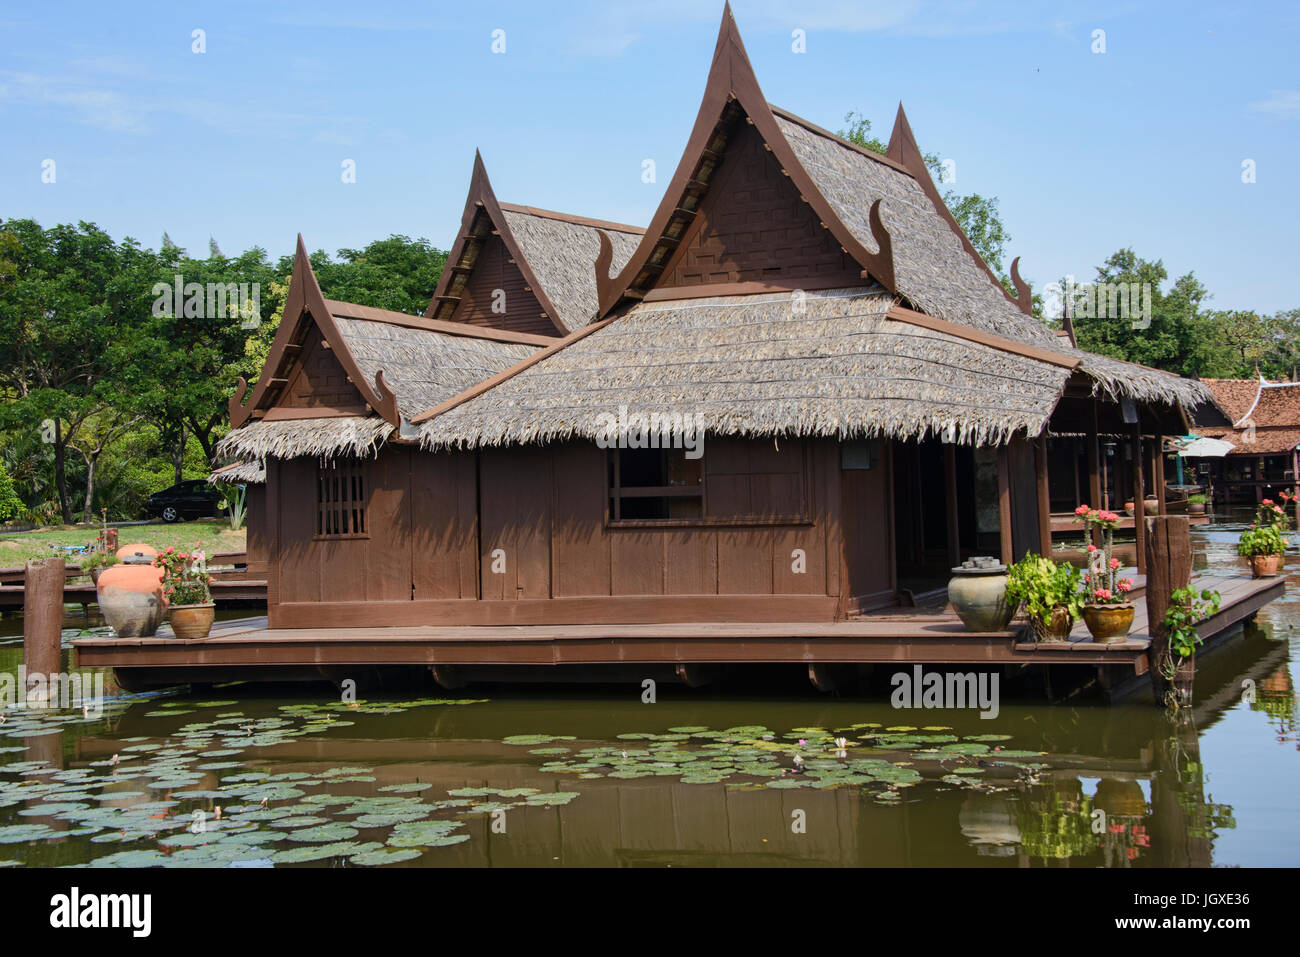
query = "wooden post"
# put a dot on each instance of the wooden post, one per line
(1139, 513)
(950, 493)
(1044, 497)
(43, 625)
(1169, 566)
(1094, 470)
(1158, 473)
(1004, 503)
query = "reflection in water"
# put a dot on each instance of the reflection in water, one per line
(551, 776)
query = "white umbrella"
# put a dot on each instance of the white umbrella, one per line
(1205, 448)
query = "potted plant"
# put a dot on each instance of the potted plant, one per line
(1187, 608)
(187, 589)
(1196, 503)
(1049, 593)
(94, 563)
(1107, 610)
(1130, 509)
(1263, 546)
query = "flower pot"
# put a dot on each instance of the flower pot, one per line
(1151, 506)
(1109, 623)
(131, 599)
(1265, 566)
(1057, 628)
(1195, 508)
(1120, 798)
(192, 621)
(978, 594)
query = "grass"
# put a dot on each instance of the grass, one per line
(213, 536)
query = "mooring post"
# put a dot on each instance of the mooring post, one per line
(1169, 567)
(43, 624)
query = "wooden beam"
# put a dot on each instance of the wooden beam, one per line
(1044, 498)
(1139, 512)
(1094, 470)
(1158, 472)
(978, 336)
(950, 493)
(1004, 504)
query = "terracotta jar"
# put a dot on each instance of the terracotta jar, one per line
(978, 593)
(192, 621)
(1109, 623)
(131, 599)
(1265, 566)
(1195, 508)
(137, 551)
(1151, 506)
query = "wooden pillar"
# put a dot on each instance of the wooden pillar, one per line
(1158, 472)
(1004, 503)
(1139, 516)
(1169, 566)
(1094, 470)
(1044, 497)
(43, 624)
(950, 494)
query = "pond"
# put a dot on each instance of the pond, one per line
(565, 776)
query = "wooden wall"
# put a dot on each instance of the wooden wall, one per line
(515, 536)
(495, 270)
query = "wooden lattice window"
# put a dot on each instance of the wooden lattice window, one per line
(340, 500)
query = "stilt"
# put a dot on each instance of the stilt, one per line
(1044, 497)
(1169, 567)
(1004, 504)
(1158, 472)
(825, 678)
(43, 625)
(694, 676)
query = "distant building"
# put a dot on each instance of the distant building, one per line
(1265, 434)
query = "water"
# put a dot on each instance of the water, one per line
(570, 776)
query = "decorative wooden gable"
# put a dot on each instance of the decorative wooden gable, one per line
(495, 294)
(753, 226)
(487, 280)
(317, 380)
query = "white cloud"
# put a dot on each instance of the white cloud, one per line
(1283, 103)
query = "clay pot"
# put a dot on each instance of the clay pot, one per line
(979, 597)
(1151, 506)
(130, 551)
(1056, 629)
(192, 621)
(1195, 508)
(131, 599)
(1109, 623)
(1265, 566)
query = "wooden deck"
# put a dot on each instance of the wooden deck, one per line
(901, 636)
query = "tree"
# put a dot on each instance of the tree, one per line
(10, 503)
(977, 215)
(397, 273)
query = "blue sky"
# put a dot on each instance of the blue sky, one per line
(1140, 146)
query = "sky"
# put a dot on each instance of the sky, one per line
(1138, 136)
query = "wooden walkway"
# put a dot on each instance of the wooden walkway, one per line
(894, 637)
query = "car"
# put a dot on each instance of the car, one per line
(193, 499)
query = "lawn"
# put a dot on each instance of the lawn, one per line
(212, 535)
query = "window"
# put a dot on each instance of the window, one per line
(340, 500)
(650, 484)
(737, 482)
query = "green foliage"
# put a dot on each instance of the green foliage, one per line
(235, 504)
(1198, 498)
(1041, 584)
(1261, 540)
(97, 560)
(10, 504)
(1186, 608)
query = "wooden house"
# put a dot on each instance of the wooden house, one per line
(1265, 435)
(875, 406)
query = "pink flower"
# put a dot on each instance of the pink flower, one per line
(170, 549)
(1267, 501)
(1082, 510)
(1092, 548)
(1124, 584)
(1103, 594)
(1114, 563)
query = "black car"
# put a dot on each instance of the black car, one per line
(194, 499)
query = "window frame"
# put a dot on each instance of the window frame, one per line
(356, 468)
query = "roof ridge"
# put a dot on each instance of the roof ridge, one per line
(572, 218)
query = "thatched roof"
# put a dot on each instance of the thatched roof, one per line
(1265, 415)
(326, 437)
(424, 367)
(251, 472)
(762, 365)
(937, 274)
(561, 249)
